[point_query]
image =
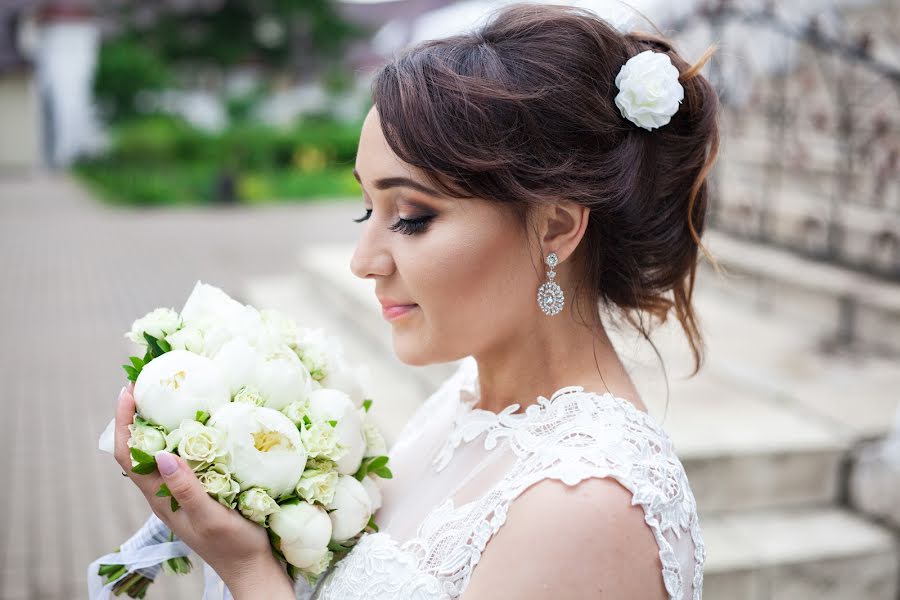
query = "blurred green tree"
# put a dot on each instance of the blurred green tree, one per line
(158, 45)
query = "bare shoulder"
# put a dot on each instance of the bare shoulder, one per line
(561, 541)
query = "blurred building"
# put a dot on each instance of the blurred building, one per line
(19, 122)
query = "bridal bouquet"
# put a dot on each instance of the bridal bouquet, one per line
(269, 416)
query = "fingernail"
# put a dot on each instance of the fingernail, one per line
(122, 391)
(166, 463)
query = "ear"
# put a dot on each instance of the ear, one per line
(561, 226)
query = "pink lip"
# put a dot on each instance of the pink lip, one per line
(393, 312)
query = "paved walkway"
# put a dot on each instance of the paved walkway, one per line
(74, 276)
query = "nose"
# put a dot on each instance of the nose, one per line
(371, 257)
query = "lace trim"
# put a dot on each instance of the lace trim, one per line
(573, 436)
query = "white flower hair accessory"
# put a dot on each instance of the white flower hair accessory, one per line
(649, 91)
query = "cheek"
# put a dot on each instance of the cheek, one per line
(476, 283)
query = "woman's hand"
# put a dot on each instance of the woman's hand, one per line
(235, 547)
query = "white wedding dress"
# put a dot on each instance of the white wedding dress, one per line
(457, 469)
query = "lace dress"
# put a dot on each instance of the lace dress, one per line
(457, 470)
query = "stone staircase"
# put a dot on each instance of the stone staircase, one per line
(766, 430)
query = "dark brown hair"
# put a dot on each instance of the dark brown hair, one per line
(522, 112)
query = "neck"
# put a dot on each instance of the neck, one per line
(537, 361)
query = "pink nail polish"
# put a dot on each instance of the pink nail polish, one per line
(165, 462)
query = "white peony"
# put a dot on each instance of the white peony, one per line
(312, 572)
(208, 306)
(353, 381)
(280, 327)
(187, 338)
(276, 374)
(649, 91)
(199, 445)
(264, 447)
(349, 510)
(158, 323)
(256, 504)
(333, 405)
(107, 440)
(174, 386)
(221, 318)
(305, 531)
(373, 489)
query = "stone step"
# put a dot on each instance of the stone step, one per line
(804, 554)
(741, 448)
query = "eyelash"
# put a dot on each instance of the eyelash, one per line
(405, 226)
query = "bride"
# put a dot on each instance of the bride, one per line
(519, 182)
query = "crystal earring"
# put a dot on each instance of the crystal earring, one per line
(550, 296)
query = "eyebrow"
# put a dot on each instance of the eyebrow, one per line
(392, 182)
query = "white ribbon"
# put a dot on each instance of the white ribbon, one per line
(145, 552)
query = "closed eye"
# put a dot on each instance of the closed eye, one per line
(365, 218)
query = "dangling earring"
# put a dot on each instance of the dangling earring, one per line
(550, 296)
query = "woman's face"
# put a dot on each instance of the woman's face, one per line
(463, 263)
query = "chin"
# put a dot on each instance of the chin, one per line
(410, 353)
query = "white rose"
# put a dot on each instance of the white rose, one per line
(146, 438)
(375, 444)
(158, 323)
(187, 338)
(321, 441)
(373, 489)
(295, 411)
(318, 486)
(174, 386)
(305, 531)
(197, 444)
(312, 573)
(250, 395)
(649, 91)
(256, 504)
(264, 447)
(349, 510)
(218, 483)
(333, 405)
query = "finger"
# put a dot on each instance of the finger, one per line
(124, 418)
(184, 485)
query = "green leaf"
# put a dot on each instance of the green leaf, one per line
(174, 504)
(163, 491)
(372, 525)
(164, 345)
(141, 456)
(137, 362)
(202, 416)
(384, 473)
(307, 421)
(144, 468)
(131, 372)
(332, 423)
(367, 404)
(378, 462)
